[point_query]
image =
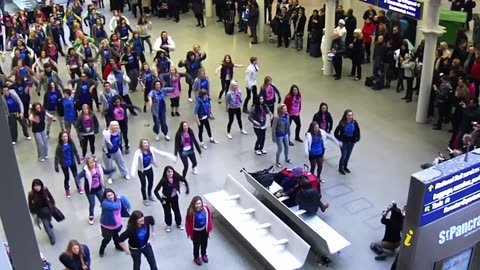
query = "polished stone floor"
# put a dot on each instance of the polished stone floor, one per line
(391, 148)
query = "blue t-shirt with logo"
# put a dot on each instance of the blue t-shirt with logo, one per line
(137, 45)
(52, 102)
(115, 139)
(204, 84)
(147, 159)
(200, 219)
(23, 71)
(349, 129)
(123, 31)
(88, 52)
(12, 105)
(84, 96)
(69, 109)
(106, 53)
(67, 153)
(148, 79)
(317, 147)
(119, 79)
(98, 32)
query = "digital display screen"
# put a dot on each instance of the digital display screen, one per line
(450, 193)
(370, 2)
(458, 262)
(409, 8)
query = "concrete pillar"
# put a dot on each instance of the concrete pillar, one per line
(261, 19)
(431, 31)
(208, 8)
(347, 4)
(15, 215)
(328, 37)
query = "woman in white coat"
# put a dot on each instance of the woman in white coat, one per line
(144, 160)
(164, 43)
(315, 145)
(112, 150)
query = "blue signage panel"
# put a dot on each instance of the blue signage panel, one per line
(370, 2)
(411, 8)
(448, 194)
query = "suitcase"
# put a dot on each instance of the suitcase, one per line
(314, 50)
(312, 178)
(378, 83)
(229, 22)
(369, 81)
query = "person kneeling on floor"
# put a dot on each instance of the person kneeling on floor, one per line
(392, 236)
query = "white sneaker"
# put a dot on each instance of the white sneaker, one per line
(167, 137)
(244, 132)
(194, 171)
(168, 229)
(258, 152)
(157, 138)
(279, 165)
(229, 136)
(203, 145)
(264, 152)
(127, 177)
(28, 138)
(42, 160)
(109, 181)
(146, 203)
(46, 157)
(14, 143)
(180, 227)
(190, 100)
(212, 140)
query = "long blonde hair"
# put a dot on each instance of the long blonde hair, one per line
(110, 126)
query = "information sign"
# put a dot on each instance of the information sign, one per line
(409, 8)
(448, 194)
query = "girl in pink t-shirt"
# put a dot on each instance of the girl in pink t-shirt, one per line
(294, 105)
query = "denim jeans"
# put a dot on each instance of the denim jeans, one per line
(91, 200)
(160, 122)
(42, 144)
(282, 142)
(147, 251)
(346, 150)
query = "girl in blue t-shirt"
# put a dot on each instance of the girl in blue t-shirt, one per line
(66, 155)
(315, 146)
(348, 132)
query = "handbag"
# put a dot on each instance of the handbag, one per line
(57, 214)
(123, 210)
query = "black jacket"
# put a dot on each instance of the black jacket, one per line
(318, 118)
(179, 143)
(164, 185)
(308, 200)
(109, 111)
(39, 203)
(253, 14)
(60, 155)
(300, 26)
(81, 128)
(339, 133)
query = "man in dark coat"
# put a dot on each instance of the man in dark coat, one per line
(350, 25)
(253, 15)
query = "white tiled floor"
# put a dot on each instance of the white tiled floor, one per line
(391, 148)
